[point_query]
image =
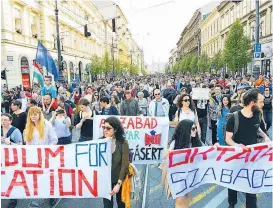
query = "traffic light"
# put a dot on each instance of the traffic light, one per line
(86, 33)
(113, 25)
(3, 75)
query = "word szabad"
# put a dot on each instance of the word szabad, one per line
(147, 136)
(76, 170)
(246, 170)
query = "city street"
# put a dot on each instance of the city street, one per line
(205, 196)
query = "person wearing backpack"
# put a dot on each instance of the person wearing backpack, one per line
(244, 132)
(113, 129)
(10, 135)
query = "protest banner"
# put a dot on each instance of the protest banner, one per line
(81, 170)
(147, 136)
(246, 170)
(200, 93)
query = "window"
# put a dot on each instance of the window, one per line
(252, 5)
(238, 10)
(231, 15)
(33, 26)
(244, 7)
(17, 20)
(227, 19)
(223, 22)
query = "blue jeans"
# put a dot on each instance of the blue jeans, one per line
(83, 139)
(268, 118)
(65, 140)
(203, 125)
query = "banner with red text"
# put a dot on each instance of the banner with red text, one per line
(81, 170)
(245, 170)
(147, 136)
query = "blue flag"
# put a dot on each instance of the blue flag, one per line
(52, 69)
(44, 58)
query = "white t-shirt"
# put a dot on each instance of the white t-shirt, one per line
(190, 115)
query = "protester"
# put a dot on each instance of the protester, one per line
(113, 130)
(10, 135)
(61, 123)
(248, 127)
(115, 101)
(214, 102)
(143, 103)
(50, 90)
(223, 110)
(185, 136)
(107, 108)
(84, 121)
(23, 100)
(267, 109)
(19, 117)
(129, 106)
(31, 102)
(159, 107)
(38, 130)
(260, 81)
(186, 110)
(95, 102)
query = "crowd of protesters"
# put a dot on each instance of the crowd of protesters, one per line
(47, 115)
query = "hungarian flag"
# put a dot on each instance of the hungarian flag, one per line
(37, 73)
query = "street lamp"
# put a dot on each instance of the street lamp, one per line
(58, 40)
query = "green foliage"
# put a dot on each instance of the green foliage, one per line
(193, 64)
(133, 69)
(97, 66)
(204, 63)
(218, 61)
(236, 51)
(144, 71)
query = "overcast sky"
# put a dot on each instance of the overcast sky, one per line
(158, 29)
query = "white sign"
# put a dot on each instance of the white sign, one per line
(248, 171)
(81, 170)
(147, 136)
(200, 93)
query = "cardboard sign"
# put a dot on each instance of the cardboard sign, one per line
(200, 94)
(147, 136)
(248, 171)
(81, 170)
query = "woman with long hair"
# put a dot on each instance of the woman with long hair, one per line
(223, 110)
(19, 117)
(120, 159)
(85, 121)
(38, 130)
(95, 105)
(186, 110)
(115, 101)
(185, 136)
(61, 123)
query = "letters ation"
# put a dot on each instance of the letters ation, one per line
(61, 172)
(82, 178)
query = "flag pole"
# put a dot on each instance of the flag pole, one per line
(33, 65)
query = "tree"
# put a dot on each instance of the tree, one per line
(236, 51)
(204, 63)
(97, 66)
(188, 63)
(108, 64)
(218, 61)
(193, 64)
(133, 69)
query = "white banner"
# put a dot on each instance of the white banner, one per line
(248, 171)
(200, 93)
(81, 170)
(147, 136)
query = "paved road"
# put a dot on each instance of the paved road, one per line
(205, 196)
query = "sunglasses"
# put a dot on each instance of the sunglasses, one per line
(194, 128)
(187, 100)
(157, 94)
(107, 128)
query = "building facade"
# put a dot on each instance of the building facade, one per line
(173, 58)
(245, 11)
(210, 34)
(189, 42)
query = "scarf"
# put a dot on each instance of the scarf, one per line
(127, 188)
